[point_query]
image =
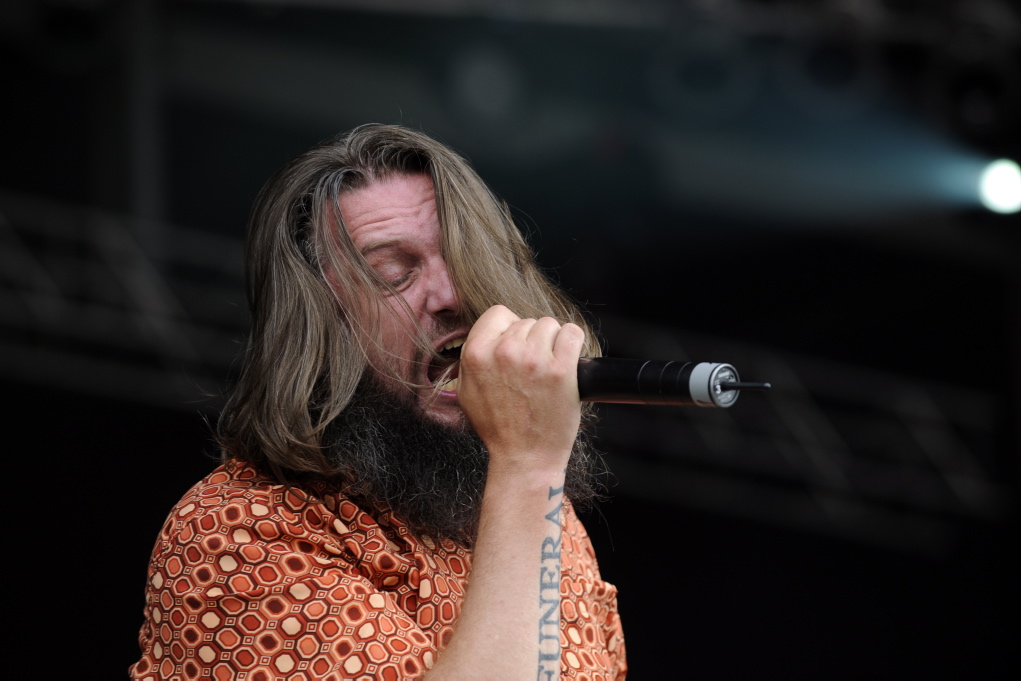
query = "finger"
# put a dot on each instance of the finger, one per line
(491, 325)
(520, 330)
(543, 334)
(569, 343)
(515, 339)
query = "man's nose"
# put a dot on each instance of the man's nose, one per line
(442, 296)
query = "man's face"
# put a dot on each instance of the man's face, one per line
(395, 225)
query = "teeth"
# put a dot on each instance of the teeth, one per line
(450, 345)
(449, 384)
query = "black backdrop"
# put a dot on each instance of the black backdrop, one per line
(123, 109)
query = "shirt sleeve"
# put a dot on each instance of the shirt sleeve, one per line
(240, 584)
(591, 635)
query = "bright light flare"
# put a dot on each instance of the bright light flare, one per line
(1000, 187)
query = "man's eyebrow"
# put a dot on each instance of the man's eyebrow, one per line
(378, 245)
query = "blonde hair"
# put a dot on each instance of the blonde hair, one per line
(307, 351)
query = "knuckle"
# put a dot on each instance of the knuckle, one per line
(504, 311)
(532, 363)
(573, 329)
(470, 354)
(549, 321)
(504, 353)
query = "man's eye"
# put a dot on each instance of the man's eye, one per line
(394, 276)
(397, 283)
(395, 271)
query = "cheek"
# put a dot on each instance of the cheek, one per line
(397, 333)
(394, 333)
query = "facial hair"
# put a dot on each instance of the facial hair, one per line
(389, 456)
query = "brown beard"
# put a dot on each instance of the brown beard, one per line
(390, 456)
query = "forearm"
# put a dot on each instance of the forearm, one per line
(510, 620)
(518, 388)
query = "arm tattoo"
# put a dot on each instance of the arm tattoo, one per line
(549, 593)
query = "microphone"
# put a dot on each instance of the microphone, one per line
(640, 381)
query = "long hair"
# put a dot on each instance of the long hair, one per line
(308, 347)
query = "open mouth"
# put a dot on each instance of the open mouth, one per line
(443, 371)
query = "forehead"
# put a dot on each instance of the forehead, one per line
(402, 207)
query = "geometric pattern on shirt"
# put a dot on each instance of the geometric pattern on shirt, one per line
(253, 581)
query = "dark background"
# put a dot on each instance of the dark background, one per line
(787, 186)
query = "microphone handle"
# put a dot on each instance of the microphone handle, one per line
(639, 381)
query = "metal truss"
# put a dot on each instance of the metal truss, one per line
(843, 450)
(83, 307)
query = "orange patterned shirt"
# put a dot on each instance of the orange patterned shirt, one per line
(251, 580)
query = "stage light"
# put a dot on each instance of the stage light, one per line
(1000, 187)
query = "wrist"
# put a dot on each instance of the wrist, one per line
(531, 471)
(521, 492)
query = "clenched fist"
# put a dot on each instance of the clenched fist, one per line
(519, 389)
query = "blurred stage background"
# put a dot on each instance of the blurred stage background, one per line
(785, 185)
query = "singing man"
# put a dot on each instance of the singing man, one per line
(403, 451)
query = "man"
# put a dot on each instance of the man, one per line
(401, 454)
